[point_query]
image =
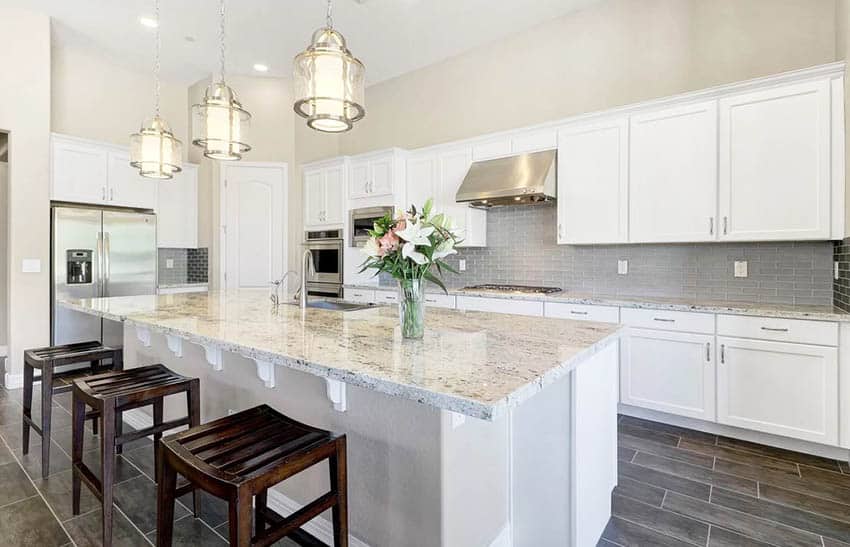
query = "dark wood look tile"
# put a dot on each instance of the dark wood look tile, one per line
(700, 474)
(639, 491)
(779, 453)
(625, 454)
(628, 534)
(659, 520)
(804, 502)
(30, 522)
(720, 537)
(674, 430)
(748, 525)
(664, 480)
(819, 486)
(650, 447)
(738, 456)
(647, 434)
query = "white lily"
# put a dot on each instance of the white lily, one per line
(372, 249)
(415, 233)
(444, 249)
(409, 251)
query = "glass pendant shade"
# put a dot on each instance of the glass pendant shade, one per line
(220, 124)
(154, 150)
(329, 83)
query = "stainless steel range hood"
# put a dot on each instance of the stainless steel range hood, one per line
(515, 180)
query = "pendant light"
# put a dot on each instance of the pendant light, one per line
(154, 150)
(219, 123)
(329, 82)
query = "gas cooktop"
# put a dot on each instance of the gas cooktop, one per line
(513, 288)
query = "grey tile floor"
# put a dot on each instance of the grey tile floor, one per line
(37, 512)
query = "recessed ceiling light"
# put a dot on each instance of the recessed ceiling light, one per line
(149, 22)
(259, 67)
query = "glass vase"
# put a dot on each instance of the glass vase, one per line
(411, 307)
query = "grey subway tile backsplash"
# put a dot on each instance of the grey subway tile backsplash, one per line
(841, 286)
(189, 266)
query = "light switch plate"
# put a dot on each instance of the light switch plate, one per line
(741, 268)
(31, 265)
(169, 263)
(622, 267)
(461, 264)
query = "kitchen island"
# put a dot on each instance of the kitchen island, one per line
(491, 430)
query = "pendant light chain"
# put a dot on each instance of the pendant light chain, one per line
(329, 19)
(221, 38)
(156, 65)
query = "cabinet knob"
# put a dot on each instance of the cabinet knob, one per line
(560, 231)
(711, 226)
(103, 193)
(722, 353)
(708, 351)
(111, 194)
(725, 225)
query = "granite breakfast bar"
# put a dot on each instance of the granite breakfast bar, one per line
(492, 430)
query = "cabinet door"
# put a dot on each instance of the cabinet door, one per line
(381, 176)
(453, 167)
(534, 141)
(673, 174)
(780, 388)
(495, 148)
(314, 197)
(358, 180)
(669, 372)
(177, 210)
(593, 163)
(127, 188)
(775, 163)
(78, 172)
(334, 194)
(422, 182)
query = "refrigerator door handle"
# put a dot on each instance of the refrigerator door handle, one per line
(98, 277)
(106, 265)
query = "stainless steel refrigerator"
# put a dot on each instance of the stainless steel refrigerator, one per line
(98, 252)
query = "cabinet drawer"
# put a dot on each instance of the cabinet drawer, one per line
(500, 305)
(440, 300)
(363, 296)
(681, 321)
(801, 331)
(386, 297)
(582, 312)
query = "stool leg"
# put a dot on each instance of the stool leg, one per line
(94, 421)
(78, 415)
(119, 430)
(157, 420)
(339, 512)
(118, 360)
(25, 433)
(46, 415)
(260, 503)
(107, 462)
(193, 401)
(240, 519)
(166, 483)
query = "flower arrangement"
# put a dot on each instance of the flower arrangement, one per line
(410, 247)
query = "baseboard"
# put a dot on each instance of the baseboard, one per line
(807, 447)
(319, 527)
(13, 381)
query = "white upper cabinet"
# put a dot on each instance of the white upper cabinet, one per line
(177, 210)
(373, 175)
(673, 174)
(423, 179)
(775, 163)
(593, 170)
(495, 148)
(324, 191)
(520, 142)
(469, 221)
(127, 188)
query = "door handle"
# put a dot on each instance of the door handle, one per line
(111, 194)
(774, 329)
(708, 351)
(711, 226)
(723, 353)
(106, 263)
(560, 231)
(103, 193)
(99, 277)
(662, 320)
(725, 225)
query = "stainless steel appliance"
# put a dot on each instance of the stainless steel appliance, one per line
(98, 252)
(515, 180)
(362, 221)
(325, 278)
(494, 287)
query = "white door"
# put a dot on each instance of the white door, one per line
(381, 177)
(314, 197)
(780, 388)
(358, 180)
(177, 210)
(421, 183)
(127, 188)
(593, 183)
(673, 174)
(775, 163)
(334, 194)
(669, 371)
(78, 172)
(254, 238)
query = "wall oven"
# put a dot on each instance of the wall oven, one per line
(326, 248)
(362, 220)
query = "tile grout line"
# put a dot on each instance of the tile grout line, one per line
(18, 501)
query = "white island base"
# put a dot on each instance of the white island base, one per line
(540, 474)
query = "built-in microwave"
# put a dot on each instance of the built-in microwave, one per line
(363, 220)
(326, 248)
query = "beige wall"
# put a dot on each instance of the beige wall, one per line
(25, 114)
(614, 53)
(4, 261)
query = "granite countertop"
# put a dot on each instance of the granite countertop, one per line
(473, 363)
(786, 311)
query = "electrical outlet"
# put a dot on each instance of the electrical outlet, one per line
(461, 264)
(835, 270)
(623, 267)
(169, 263)
(741, 268)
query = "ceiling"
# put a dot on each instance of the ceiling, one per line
(391, 37)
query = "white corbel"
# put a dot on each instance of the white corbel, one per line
(336, 394)
(213, 355)
(175, 344)
(144, 336)
(457, 419)
(265, 371)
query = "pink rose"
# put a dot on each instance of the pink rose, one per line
(400, 225)
(388, 242)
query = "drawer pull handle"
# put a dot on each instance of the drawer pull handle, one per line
(431, 300)
(663, 320)
(774, 330)
(708, 351)
(578, 312)
(722, 353)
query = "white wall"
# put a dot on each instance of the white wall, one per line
(25, 114)
(4, 212)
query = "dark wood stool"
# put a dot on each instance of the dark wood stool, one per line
(109, 395)
(241, 456)
(52, 383)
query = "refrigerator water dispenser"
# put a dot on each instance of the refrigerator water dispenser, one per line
(79, 270)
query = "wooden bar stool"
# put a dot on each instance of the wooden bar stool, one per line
(52, 383)
(109, 395)
(241, 456)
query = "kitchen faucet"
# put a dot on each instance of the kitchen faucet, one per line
(276, 285)
(308, 268)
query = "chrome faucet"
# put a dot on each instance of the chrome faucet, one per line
(276, 285)
(308, 268)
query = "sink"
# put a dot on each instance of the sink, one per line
(337, 306)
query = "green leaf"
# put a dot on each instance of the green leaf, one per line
(446, 266)
(436, 281)
(426, 210)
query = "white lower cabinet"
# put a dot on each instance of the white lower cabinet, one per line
(669, 372)
(780, 388)
(500, 305)
(361, 296)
